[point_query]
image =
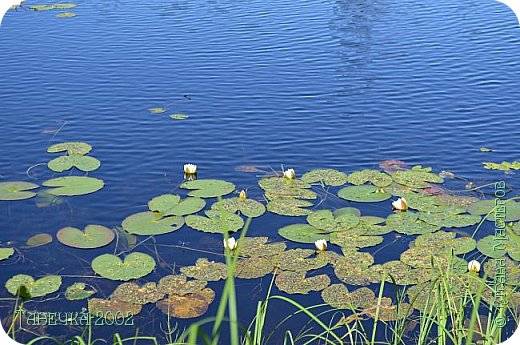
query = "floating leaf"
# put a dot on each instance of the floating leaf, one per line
(289, 207)
(63, 6)
(171, 205)
(78, 291)
(367, 229)
(432, 203)
(347, 210)
(446, 242)
(502, 166)
(216, 222)
(391, 165)
(299, 260)
(372, 220)
(150, 223)
(41, 7)
(283, 188)
(255, 267)
(178, 116)
(375, 177)
(364, 193)
(338, 296)
(135, 294)
(349, 240)
(248, 207)
(324, 220)
(72, 148)
(94, 236)
(83, 163)
(387, 313)
(206, 270)
(179, 285)
(74, 185)
(507, 268)
(408, 223)
(208, 188)
(297, 283)
(303, 233)
(41, 287)
(416, 178)
(66, 15)
(135, 265)
(112, 309)
(426, 258)
(184, 307)
(449, 220)
(330, 177)
(400, 273)
(156, 110)
(497, 246)
(39, 240)
(353, 268)
(5, 253)
(507, 210)
(16, 190)
(258, 247)
(485, 149)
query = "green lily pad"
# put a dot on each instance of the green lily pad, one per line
(377, 178)
(135, 294)
(372, 220)
(184, 307)
(449, 220)
(432, 204)
(508, 210)
(505, 166)
(499, 246)
(302, 233)
(83, 163)
(64, 6)
(135, 265)
(338, 296)
(296, 282)
(401, 273)
(329, 177)
(78, 291)
(179, 285)
(171, 205)
(416, 178)
(387, 313)
(258, 247)
(74, 185)
(39, 240)
(408, 223)
(5, 253)
(367, 229)
(150, 223)
(66, 15)
(364, 193)
(324, 220)
(349, 240)
(426, 258)
(208, 188)
(41, 287)
(41, 7)
(112, 309)
(347, 210)
(509, 269)
(289, 207)
(283, 188)
(72, 148)
(94, 236)
(254, 267)
(248, 207)
(216, 222)
(16, 190)
(353, 268)
(443, 241)
(179, 116)
(157, 110)
(299, 260)
(206, 270)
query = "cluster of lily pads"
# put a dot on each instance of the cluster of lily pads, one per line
(50, 7)
(431, 213)
(176, 116)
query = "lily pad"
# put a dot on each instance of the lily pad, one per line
(508, 210)
(74, 185)
(354, 268)
(419, 257)
(66, 15)
(94, 236)
(299, 260)
(41, 287)
(283, 188)
(509, 269)
(387, 313)
(248, 207)
(63, 6)
(348, 240)
(254, 267)
(258, 247)
(408, 223)
(416, 178)
(150, 223)
(72, 148)
(216, 222)
(78, 291)
(302, 233)
(338, 296)
(171, 205)
(112, 309)
(372, 220)
(157, 110)
(324, 220)
(329, 177)
(39, 240)
(208, 188)
(5, 253)
(179, 116)
(184, 307)
(16, 190)
(296, 282)
(497, 247)
(83, 163)
(41, 7)
(135, 265)
(178, 284)
(443, 241)
(347, 210)
(400, 273)
(505, 166)
(135, 294)
(289, 207)
(375, 177)
(206, 270)
(364, 193)
(449, 220)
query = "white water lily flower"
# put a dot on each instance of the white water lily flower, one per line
(400, 204)
(190, 169)
(231, 243)
(474, 266)
(290, 174)
(243, 194)
(321, 245)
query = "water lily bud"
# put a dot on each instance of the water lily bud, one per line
(321, 245)
(400, 204)
(290, 174)
(231, 243)
(243, 194)
(190, 169)
(474, 266)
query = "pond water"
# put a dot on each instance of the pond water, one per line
(303, 84)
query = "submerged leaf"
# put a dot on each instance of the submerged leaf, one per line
(16, 190)
(135, 265)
